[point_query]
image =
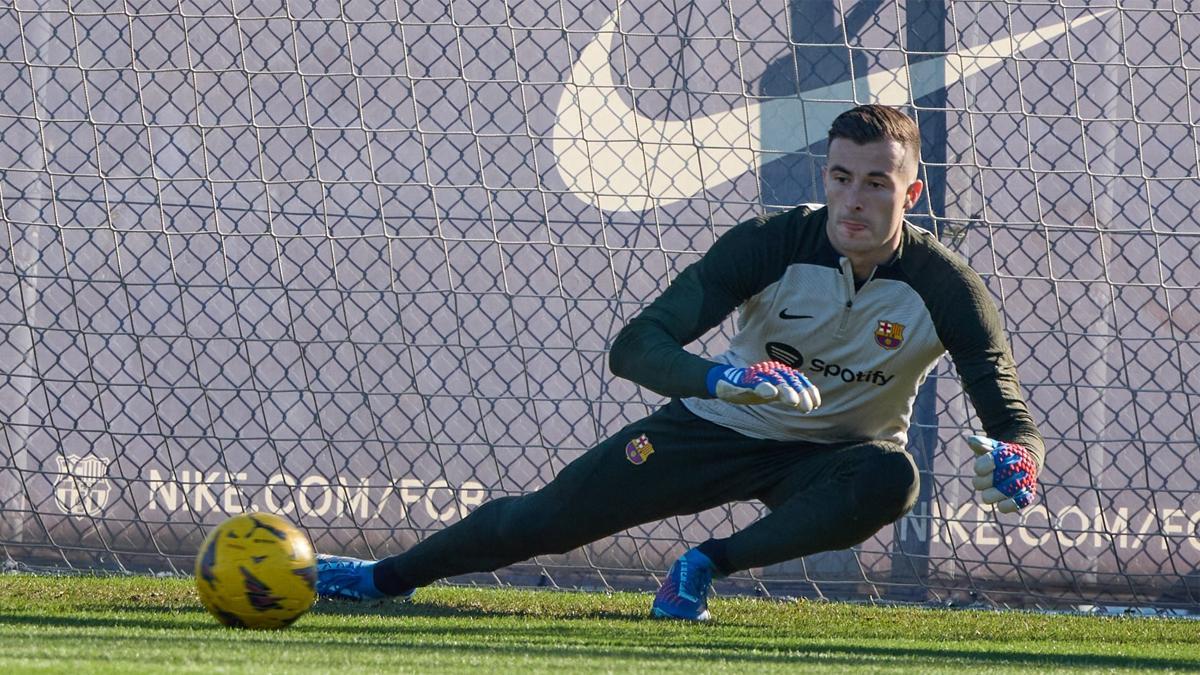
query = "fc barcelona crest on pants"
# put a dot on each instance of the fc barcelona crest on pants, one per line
(889, 335)
(639, 449)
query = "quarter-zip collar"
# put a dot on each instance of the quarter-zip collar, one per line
(849, 291)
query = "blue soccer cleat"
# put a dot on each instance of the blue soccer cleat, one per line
(345, 578)
(684, 595)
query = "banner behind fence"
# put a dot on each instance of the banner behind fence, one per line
(238, 239)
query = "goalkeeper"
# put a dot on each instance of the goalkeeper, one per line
(844, 310)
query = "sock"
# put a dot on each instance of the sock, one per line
(387, 580)
(715, 550)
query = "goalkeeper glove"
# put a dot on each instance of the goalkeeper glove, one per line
(763, 383)
(1005, 473)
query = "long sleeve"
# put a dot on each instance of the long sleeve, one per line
(649, 350)
(971, 329)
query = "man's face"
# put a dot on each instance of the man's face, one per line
(868, 188)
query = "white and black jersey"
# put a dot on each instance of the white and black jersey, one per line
(867, 346)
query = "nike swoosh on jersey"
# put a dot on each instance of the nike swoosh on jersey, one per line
(784, 315)
(611, 156)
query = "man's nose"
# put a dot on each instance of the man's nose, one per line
(854, 198)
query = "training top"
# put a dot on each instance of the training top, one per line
(867, 347)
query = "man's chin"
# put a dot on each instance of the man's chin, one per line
(852, 244)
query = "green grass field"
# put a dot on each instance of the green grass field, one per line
(119, 625)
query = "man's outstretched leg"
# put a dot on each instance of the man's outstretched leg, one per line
(669, 463)
(823, 499)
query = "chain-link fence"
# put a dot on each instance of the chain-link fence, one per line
(359, 263)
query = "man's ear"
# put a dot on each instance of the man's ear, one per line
(913, 193)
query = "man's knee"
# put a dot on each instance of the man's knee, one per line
(526, 524)
(889, 483)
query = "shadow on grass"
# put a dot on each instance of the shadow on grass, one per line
(569, 639)
(440, 611)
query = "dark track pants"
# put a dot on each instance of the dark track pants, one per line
(822, 497)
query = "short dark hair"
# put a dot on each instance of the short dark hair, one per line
(870, 123)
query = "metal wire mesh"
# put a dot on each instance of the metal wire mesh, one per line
(359, 263)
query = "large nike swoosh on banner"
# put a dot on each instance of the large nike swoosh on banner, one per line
(613, 157)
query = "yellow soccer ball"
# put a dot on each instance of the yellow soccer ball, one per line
(256, 570)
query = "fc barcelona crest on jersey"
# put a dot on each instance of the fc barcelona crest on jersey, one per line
(889, 335)
(639, 449)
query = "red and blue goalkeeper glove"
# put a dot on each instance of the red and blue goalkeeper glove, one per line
(1005, 473)
(765, 382)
